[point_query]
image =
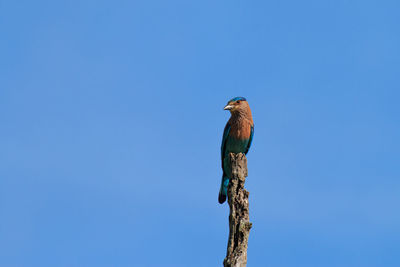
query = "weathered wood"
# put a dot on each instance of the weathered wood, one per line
(239, 224)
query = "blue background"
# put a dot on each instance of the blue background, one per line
(111, 121)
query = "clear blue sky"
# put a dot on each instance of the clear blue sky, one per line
(111, 121)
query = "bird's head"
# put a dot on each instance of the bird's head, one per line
(236, 104)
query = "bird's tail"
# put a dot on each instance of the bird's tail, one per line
(223, 190)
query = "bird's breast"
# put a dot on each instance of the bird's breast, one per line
(238, 138)
(240, 130)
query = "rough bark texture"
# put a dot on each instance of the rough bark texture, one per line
(239, 224)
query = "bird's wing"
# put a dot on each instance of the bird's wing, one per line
(224, 138)
(250, 139)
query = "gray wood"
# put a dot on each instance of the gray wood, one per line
(239, 224)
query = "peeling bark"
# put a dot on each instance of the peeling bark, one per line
(239, 224)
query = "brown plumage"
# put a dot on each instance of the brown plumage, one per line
(241, 121)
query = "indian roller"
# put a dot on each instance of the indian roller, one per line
(237, 137)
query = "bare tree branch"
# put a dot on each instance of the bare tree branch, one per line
(239, 224)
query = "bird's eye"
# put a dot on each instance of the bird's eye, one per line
(238, 102)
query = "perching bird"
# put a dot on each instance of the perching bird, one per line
(237, 137)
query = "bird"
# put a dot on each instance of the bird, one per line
(237, 138)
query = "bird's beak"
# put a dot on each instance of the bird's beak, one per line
(228, 107)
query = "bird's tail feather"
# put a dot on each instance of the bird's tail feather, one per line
(223, 189)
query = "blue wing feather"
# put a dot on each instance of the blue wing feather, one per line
(223, 144)
(250, 139)
(225, 179)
